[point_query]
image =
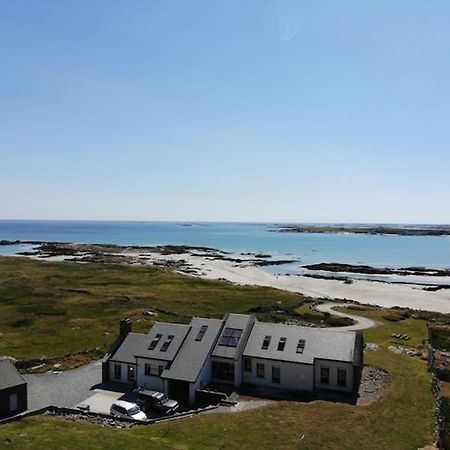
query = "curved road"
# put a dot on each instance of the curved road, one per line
(362, 323)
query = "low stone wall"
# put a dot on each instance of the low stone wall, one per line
(104, 420)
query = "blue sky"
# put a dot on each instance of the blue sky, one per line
(258, 110)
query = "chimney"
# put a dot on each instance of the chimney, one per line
(125, 327)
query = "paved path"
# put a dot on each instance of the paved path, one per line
(362, 323)
(66, 388)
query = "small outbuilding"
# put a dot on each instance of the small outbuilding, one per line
(13, 390)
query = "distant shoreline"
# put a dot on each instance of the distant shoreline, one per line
(429, 230)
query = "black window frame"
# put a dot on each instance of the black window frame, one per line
(201, 333)
(117, 371)
(166, 344)
(223, 371)
(247, 364)
(266, 342)
(342, 382)
(131, 370)
(301, 345)
(324, 379)
(260, 370)
(281, 344)
(276, 379)
(155, 341)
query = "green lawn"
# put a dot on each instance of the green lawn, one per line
(403, 419)
(70, 307)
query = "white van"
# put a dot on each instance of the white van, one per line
(121, 408)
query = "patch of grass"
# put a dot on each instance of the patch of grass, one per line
(440, 336)
(71, 307)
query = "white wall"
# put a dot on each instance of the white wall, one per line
(292, 376)
(151, 382)
(124, 374)
(333, 366)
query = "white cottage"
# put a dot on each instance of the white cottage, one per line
(239, 351)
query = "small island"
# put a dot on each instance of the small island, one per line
(406, 230)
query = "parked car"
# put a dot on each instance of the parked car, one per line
(122, 408)
(156, 401)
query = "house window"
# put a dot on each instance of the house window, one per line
(201, 333)
(247, 365)
(300, 346)
(160, 370)
(130, 373)
(230, 337)
(117, 371)
(155, 341)
(281, 344)
(324, 375)
(266, 342)
(223, 371)
(275, 374)
(13, 402)
(166, 344)
(259, 370)
(148, 368)
(342, 377)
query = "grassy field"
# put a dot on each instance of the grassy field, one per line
(70, 307)
(402, 419)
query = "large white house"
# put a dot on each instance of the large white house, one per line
(238, 350)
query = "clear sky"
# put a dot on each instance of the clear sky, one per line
(306, 110)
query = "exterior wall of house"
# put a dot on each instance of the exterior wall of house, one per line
(20, 393)
(124, 372)
(333, 367)
(151, 382)
(292, 375)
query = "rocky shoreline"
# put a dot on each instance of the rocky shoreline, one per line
(369, 270)
(136, 254)
(373, 230)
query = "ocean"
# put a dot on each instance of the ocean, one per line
(305, 248)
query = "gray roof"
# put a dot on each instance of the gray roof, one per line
(193, 354)
(319, 343)
(178, 331)
(239, 321)
(133, 343)
(9, 375)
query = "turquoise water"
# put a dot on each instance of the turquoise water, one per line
(383, 251)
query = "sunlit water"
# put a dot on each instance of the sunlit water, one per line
(307, 248)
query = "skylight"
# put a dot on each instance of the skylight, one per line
(281, 344)
(266, 342)
(230, 337)
(166, 344)
(155, 341)
(300, 346)
(201, 332)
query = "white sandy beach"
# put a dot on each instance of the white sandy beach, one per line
(369, 292)
(362, 291)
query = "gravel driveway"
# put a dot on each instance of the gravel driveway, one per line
(66, 388)
(362, 323)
